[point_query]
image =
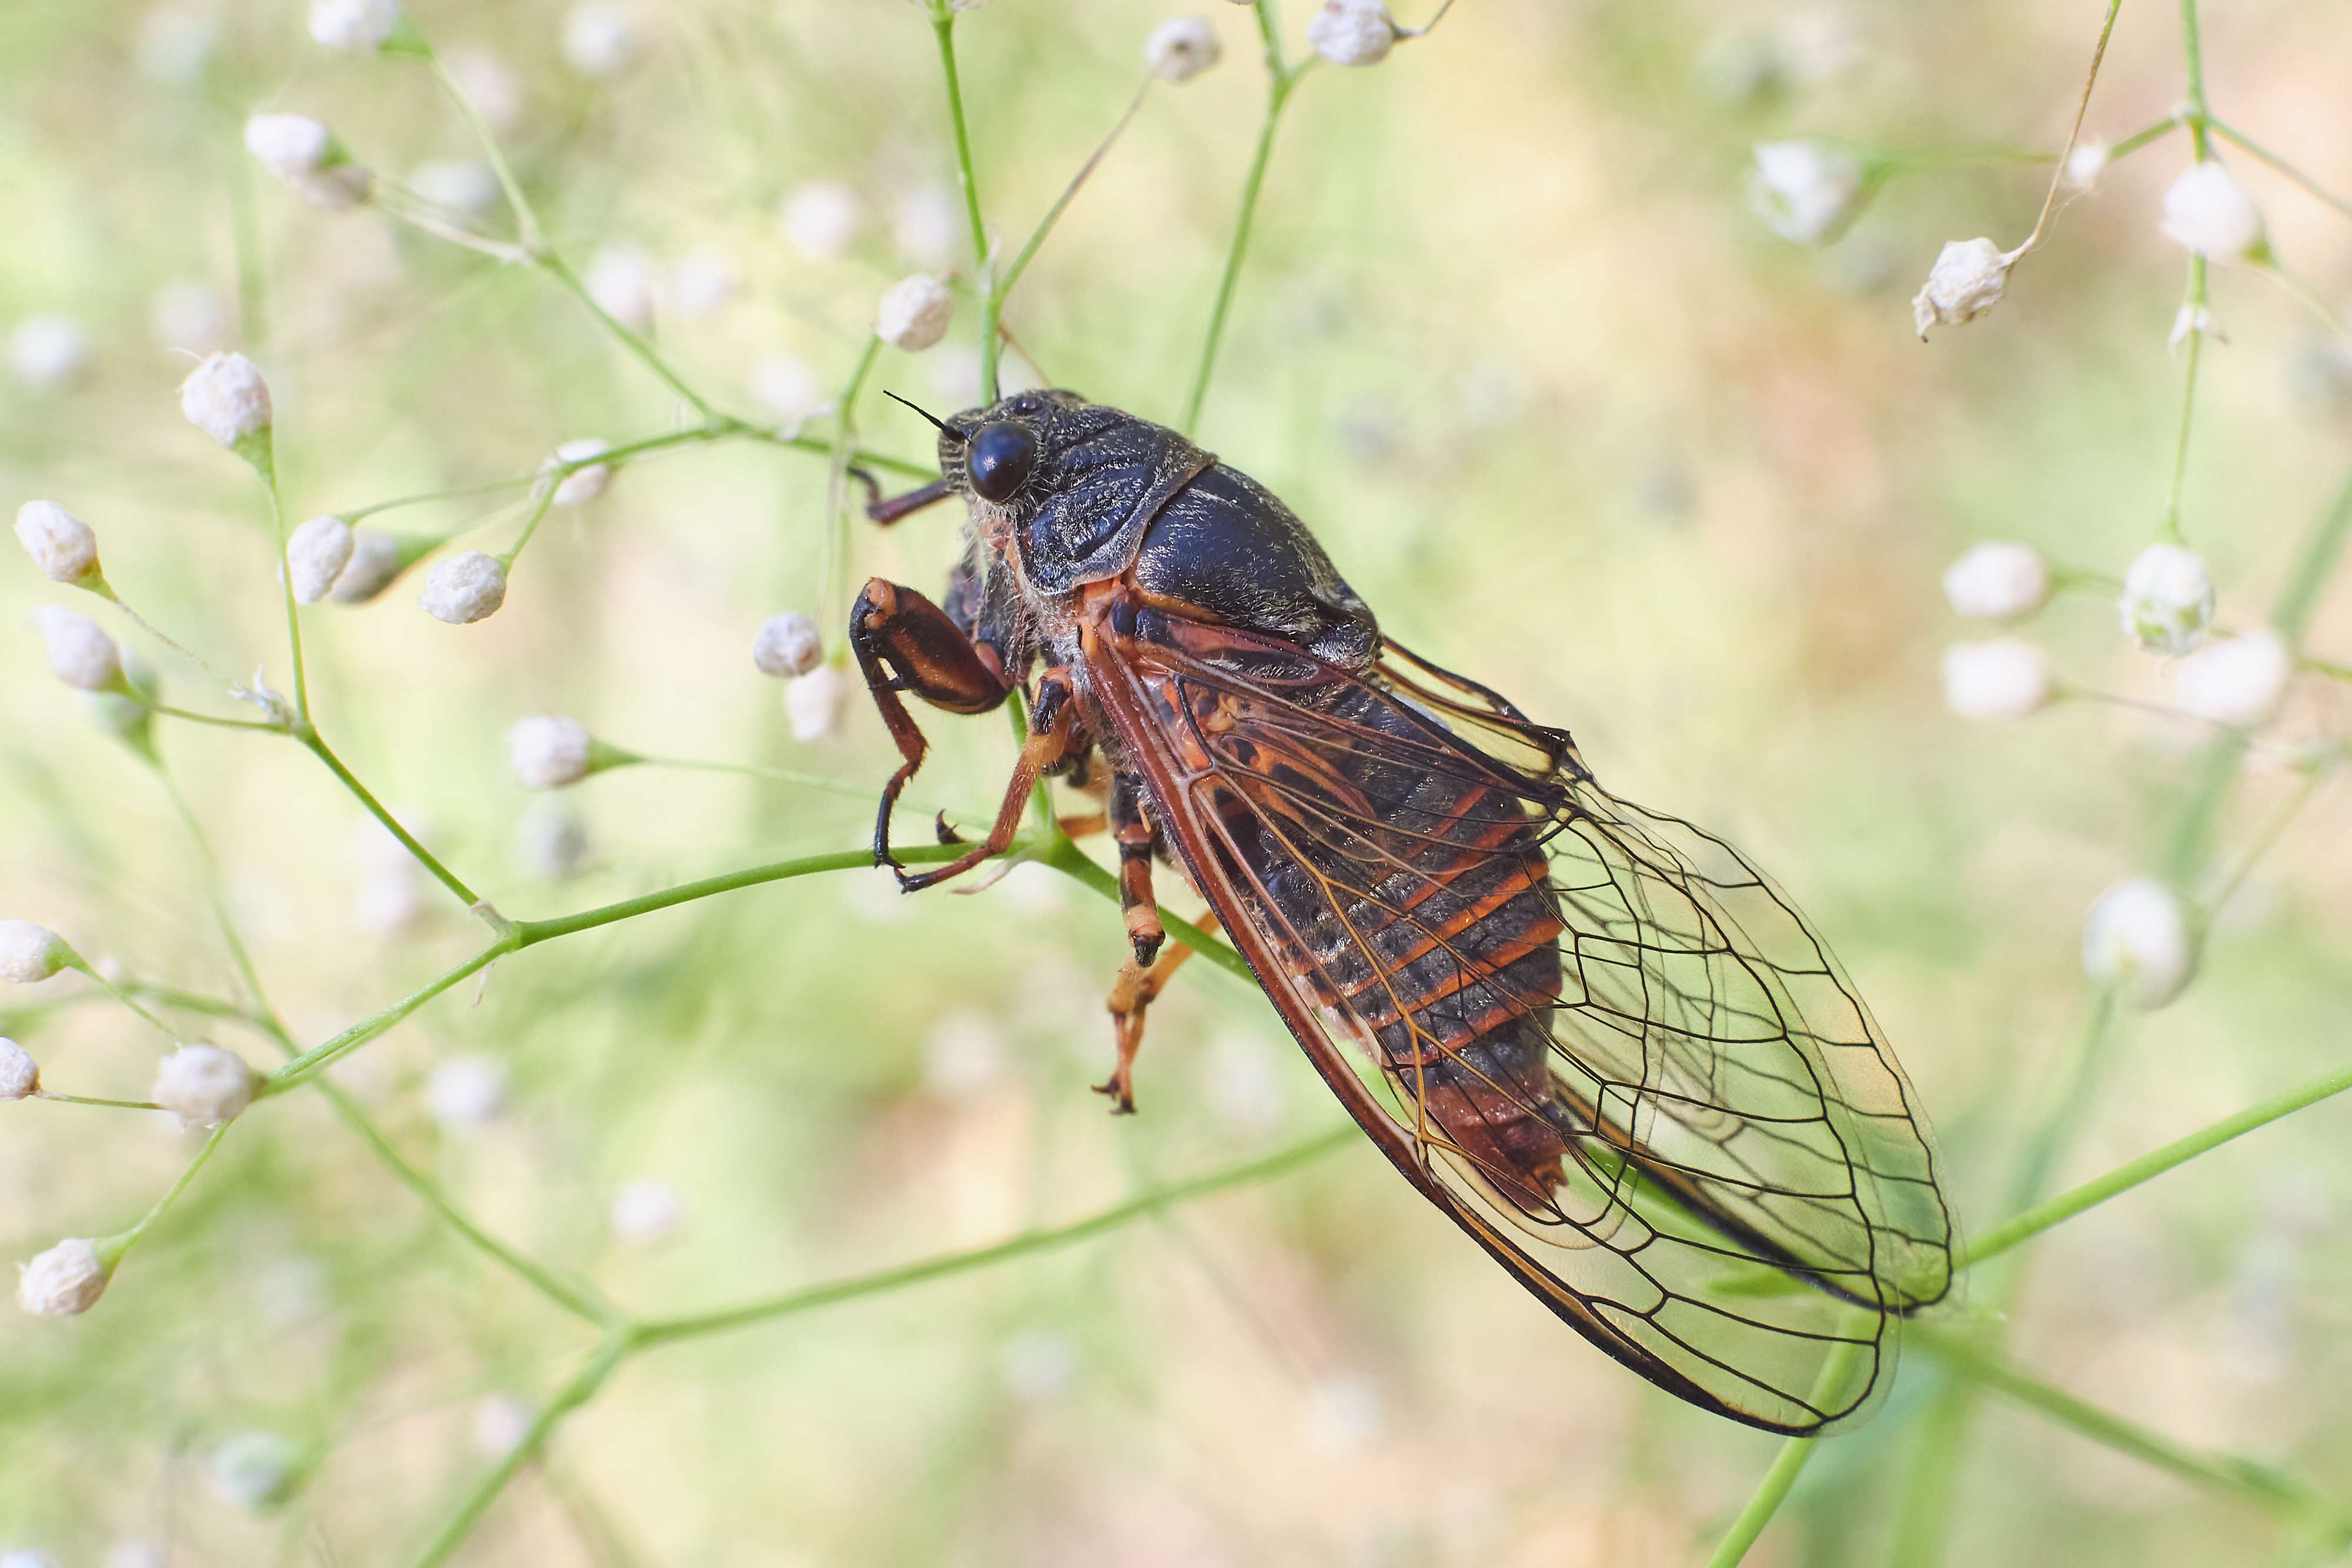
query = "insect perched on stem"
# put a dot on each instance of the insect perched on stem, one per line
(1596, 1038)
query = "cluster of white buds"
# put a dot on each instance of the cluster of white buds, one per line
(915, 313)
(550, 752)
(1997, 581)
(20, 1075)
(1180, 48)
(376, 560)
(620, 279)
(787, 645)
(815, 703)
(81, 653)
(467, 1090)
(601, 40)
(1999, 678)
(1353, 32)
(821, 218)
(30, 953)
(2210, 212)
(204, 1085)
(48, 352)
(61, 544)
(2168, 600)
(588, 480)
(1804, 191)
(317, 553)
(66, 1279)
(1966, 281)
(2237, 681)
(227, 398)
(357, 25)
(2140, 941)
(304, 153)
(464, 588)
(645, 1213)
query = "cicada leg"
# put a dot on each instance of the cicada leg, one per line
(1145, 975)
(903, 643)
(1053, 719)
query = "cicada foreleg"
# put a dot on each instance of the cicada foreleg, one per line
(1053, 722)
(903, 643)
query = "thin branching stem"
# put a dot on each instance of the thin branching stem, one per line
(2262, 154)
(943, 19)
(317, 746)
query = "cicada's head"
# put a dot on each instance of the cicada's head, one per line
(1067, 484)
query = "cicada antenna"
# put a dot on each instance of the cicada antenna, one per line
(927, 414)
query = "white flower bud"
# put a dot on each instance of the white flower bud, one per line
(203, 1085)
(1804, 191)
(552, 841)
(500, 1422)
(600, 40)
(189, 313)
(702, 283)
(814, 703)
(176, 45)
(2002, 678)
(787, 387)
(548, 752)
(915, 313)
(61, 544)
(375, 562)
(254, 1470)
(2086, 163)
(820, 218)
(1180, 48)
(288, 145)
(1966, 281)
(316, 555)
(1352, 31)
(2168, 600)
(48, 354)
(30, 953)
(225, 398)
(1997, 581)
(356, 26)
(928, 225)
(80, 654)
(490, 83)
(620, 280)
(466, 186)
(583, 484)
(645, 1212)
(2138, 940)
(467, 1090)
(787, 645)
(66, 1279)
(463, 588)
(2238, 681)
(2207, 210)
(20, 1075)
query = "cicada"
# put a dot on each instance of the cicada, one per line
(1598, 1039)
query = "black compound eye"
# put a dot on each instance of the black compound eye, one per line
(999, 460)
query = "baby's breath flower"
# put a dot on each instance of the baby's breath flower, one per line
(1999, 678)
(927, 226)
(620, 280)
(356, 26)
(66, 1279)
(586, 483)
(466, 186)
(467, 1090)
(1997, 581)
(20, 1075)
(2167, 599)
(61, 544)
(1352, 31)
(645, 1212)
(80, 654)
(225, 397)
(48, 352)
(820, 218)
(2238, 681)
(2086, 163)
(288, 145)
(203, 1085)
(600, 40)
(255, 1471)
(1806, 192)
(2138, 940)
(702, 283)
(189, 313)
(316, 554)
(500, 1422)
(2208, 212)
(375, 562)
(1966, 281)
(1180, 48)
(787, 387)
(915, 313)
(815, 703)
(550, 752)
(30, 953)
(787, 645)
(464, 588)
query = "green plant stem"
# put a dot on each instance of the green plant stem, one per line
(2264, 154)
(840, 519)
(636, 343)
(115, 1247)
(2196, 299)
(2143, 137)
(164, 710)
(526, 220)
(2314, 563)
(1787, 1465)
(94, 1100)
(943, 18)
(269, 471)
(539, 510)
(1065, 856)
(317, 746)
(1280, 80)
(1004, 285)
(2193, 53)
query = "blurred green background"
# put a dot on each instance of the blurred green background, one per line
(1564, 410)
